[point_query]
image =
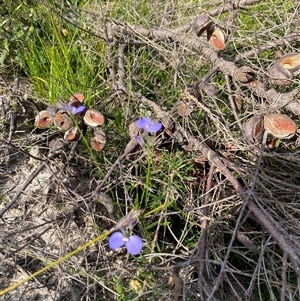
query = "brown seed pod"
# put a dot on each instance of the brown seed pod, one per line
(290, 61)
(71, 133)
(216, 37)
(127, 220)
(238, 101)
(280, 126)
(56, 144)
(184, 109)
(43, 120)
(63, 121)
(105, 200)
(77, 97)
(98, 141)
(93, 118)
(245, 74)
(280, 75)
(208, 88)
(100, 135)
(96, 145)
(253, 129)
(200, 24)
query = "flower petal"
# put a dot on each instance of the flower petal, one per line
(134, 244)
(153, 128)
(116, 240)
(79, 109)
(143, 123)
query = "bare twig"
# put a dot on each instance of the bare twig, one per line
(202, 245)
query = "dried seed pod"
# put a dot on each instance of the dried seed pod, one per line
(290, 61)
(127, 220)
(56, 144)
(184, 109)
(201, 24)
(43, 120)
(52, 110)
(133, 129)
(105, 200)
(93, 118)
(245, 74)
(100, 135)
(253, 129)
(76, 97)
(216, 37)
(280, 126)
(208, 88)
(238, 102)
(63, 121)
(71, 133)
(98, 141)
(280, 75)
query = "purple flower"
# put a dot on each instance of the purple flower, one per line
(133, 243)
(147, 125)
(75, 110)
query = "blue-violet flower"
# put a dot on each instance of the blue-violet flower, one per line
(75, 110)
(147, 125)
(133, 243)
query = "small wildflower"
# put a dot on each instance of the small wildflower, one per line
(147, 125)
(75, 110)
(133, 243)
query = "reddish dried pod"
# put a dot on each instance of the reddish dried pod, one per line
(280, 75)
(43, 120)
(100, 135)
(253, 129)
(209, 89)
(63, 121)
(93, 118)
(56, 144)
(71, 134)
(216, 37)
(290, 61)
(77, 97)
(96, 145)
(245, 74)
(280, 126)
(98, 141)
(184, 109)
